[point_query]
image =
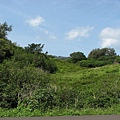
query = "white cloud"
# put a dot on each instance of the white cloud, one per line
(110, 37)
(34, 22)
(78, 32)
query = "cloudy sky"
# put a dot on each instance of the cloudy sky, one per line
(64, 26)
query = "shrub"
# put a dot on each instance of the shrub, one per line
(17, 84)
(117, 60)
(92, 63)
(77, 56)
(44, 62)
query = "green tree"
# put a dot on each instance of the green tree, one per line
(6, 49)
(104, 52)
(34, 48)
(40, 59)
(6, 46)
(4, 29)
(77, 56)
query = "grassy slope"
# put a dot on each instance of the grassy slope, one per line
(75, 76)
(98, 81)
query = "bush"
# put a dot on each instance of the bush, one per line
(117, 60)
(17, 84)
(107, 59)
(77, 56)
(44, 62)
(92, 63)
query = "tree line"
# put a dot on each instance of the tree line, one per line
(96, 58)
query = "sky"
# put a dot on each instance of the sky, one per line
(63, 26)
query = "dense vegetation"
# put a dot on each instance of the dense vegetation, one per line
(33, 83)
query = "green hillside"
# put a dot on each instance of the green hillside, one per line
(75, 90)
(92, 87)
(72, 74)
(33, 83)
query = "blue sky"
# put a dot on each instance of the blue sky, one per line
(64, 26)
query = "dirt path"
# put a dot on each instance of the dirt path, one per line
(99, 117)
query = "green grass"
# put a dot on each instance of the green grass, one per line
(71, 74)
(56, 112)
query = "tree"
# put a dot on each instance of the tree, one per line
(6, 49)
(77, 56)
(40, 59)
(6, 46)
(34, 48)
(104, 52)
(4, 29)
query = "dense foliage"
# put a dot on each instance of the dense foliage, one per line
(98, 53)
(6, 49)
(77, 56)
(17, 84)
(92, 63)
(96, 58)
